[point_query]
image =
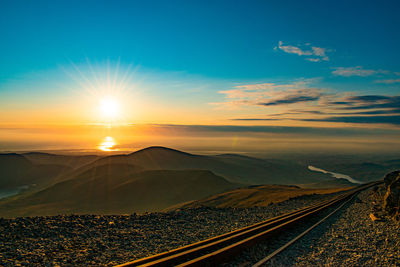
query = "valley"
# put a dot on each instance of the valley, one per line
(151, 179)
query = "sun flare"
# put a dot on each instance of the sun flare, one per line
(109, 107)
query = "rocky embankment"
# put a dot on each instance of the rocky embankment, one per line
(366, 232)
(349, 238)
(91, 240)
(391, 198)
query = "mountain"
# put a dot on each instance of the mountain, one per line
(253, 196)
(118, 189)
(16, 170)
(236, 168)
(73, 161)
(12, 169)
(150, 179)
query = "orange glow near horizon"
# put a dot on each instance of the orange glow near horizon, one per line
(105, 105)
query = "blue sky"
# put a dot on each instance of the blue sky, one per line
(271, 63)
(221, 39)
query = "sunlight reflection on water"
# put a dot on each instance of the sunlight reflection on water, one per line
(336, 175)
(108, 144)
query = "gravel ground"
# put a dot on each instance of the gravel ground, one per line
(90, 240)
(348, 238)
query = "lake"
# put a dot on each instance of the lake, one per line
(335, 175)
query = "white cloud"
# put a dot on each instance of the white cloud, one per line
(318, 51)
(294, 50)
(354, 71)
(313, 53)
(313, 59)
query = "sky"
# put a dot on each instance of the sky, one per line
(233, 75)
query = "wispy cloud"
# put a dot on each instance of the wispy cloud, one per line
(255, 119)
(271, 94)
(368, 102)
(294, 97)
(388, 81)
(196, 129)
(388, 111)
(293, 50)
(361, 109)
(311, 53)
(382, 118)
(394, 120)
(356, 71)
(303, 101)
(313, 59)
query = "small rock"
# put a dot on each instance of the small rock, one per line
(390, 177)
(391, 199)
(373, 217)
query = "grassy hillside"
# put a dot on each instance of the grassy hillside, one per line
(104, 191)
(336, 183)
(254, 196)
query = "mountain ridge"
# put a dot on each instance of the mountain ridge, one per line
(139, 191)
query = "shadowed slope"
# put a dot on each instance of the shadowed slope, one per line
(16, 170)
(70, 161)
(108, 190)
(12, 170)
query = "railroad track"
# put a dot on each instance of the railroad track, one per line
(219, 249)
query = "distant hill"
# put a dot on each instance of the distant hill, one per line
(16, 170)
(73, 161)
(150, 179)
(12, 169)
(253, 196)
(236, 168)
(116, 189)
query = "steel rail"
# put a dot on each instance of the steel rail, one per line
(213, 239)
(292, 241)
(218, 249)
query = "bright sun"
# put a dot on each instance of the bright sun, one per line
(109, 107)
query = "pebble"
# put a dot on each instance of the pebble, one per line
(107, 240)
(353, 239)
(348, 238)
